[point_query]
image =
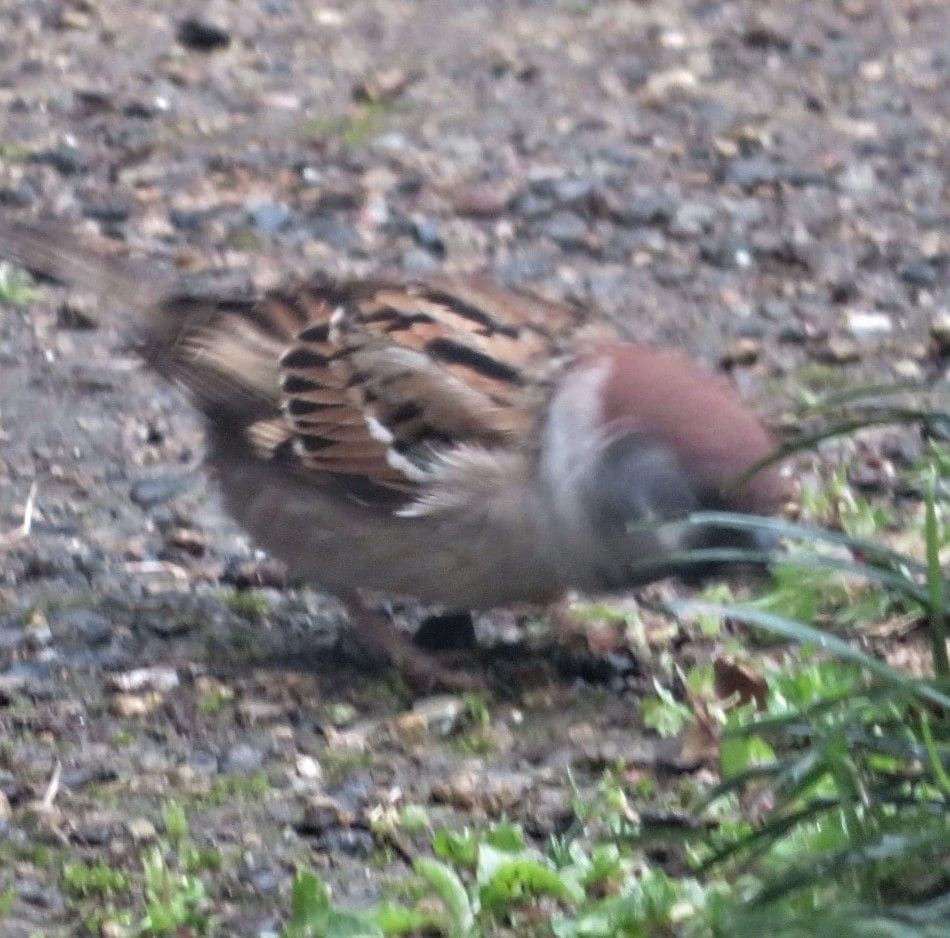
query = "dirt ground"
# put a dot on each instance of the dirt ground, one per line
(764, 183)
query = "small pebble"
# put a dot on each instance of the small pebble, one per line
(531, 206)
(154, 679)
(483, 201)
(95, 832)
(940, 330)
(728, 253)
(246, 572)
(857, 178)
(566, 229)
(440, 714)
(39, 895)
(66, 160)
(837, 351)
(308, 768)
(691, 219)
(348, 841)
(202, 762)
(419, 263)
(919, 274)
(147, 493)
(263, 881)
(242, 759)
(201, 34)
(742, 352)
(252, 712)
(335, 232)
(141, 830)
(645, 210)
(268, 217)
(382, 86)
(907, 369)
(109, 213)
(492, 792)
(863, 325)
(661, 85)
(571, 190)
(187, 541)
(427, 235)
(749, 172)
(321, 813)
(165, 625)
(130, 706)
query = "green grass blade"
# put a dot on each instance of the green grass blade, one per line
(806, 634)
(936, 600)
(451, 891)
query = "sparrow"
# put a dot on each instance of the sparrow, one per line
(441, 438)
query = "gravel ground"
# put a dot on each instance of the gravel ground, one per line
(764, 183)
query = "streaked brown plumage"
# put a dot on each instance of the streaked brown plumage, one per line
(444, 439)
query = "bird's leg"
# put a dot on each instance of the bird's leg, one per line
(424, 672)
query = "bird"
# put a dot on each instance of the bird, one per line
(440, 438)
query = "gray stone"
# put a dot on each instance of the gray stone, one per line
(729, 253)
(89, 626)
(749, 172)
(349, 841)
(645, 210)
(202, 762)
(242, 759)
(427, 235)
(531, 206)
(692, 219)
(202, 35)
(570, 190)
(268, 217)
(335, 232)
(525, 267)
(147, 493)
(566, 229)
(920, 274)
(419, 263)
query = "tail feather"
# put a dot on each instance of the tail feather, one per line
(51, 251)
(213, 347)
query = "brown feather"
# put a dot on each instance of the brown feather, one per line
(446, 439)
(421, 371)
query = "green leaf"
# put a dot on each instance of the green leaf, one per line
(309, 903)
(936, 591)
(312, 914)
(936, 762)
(176, 822)
(393, 919)
(504, 878)
(664, 714)
(451, 891)
(16, 286)
(7, 898)
(505, 836)
(460, 849)
(738, 755)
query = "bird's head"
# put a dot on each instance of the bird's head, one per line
(636, 439)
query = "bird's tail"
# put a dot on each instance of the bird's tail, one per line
(53, 251)
(222, 350)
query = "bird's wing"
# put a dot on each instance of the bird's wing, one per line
(386, 376)
(361, 384)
